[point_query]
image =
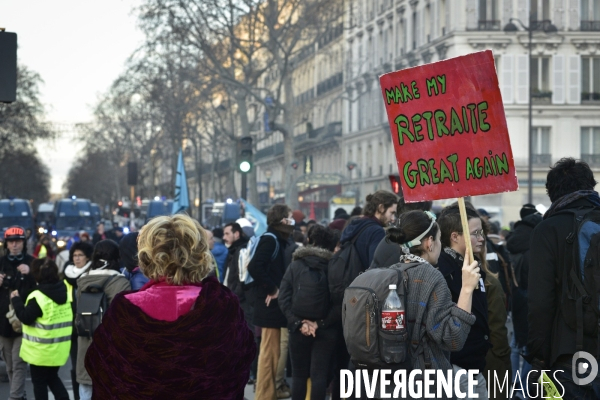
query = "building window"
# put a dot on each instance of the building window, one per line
(590, 145)
(541, 146)
(382, 45)
(540, 78)
(443, 17)
(590, 15)
(488, 16)
(389, 48)
(400, 37)
(540, 9)
(590, 78)
(414, 31)
(427, 26)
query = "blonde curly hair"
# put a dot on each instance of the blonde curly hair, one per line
(174, 248)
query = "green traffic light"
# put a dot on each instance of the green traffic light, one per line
(245, 166)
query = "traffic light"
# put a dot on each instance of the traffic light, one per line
(395, 181)
(132, 173)
(245, 154)
(8, 66)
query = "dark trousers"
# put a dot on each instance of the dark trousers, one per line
(248, 314)
(341, 359)
(73, 356)
(311, 357)
(44, 378)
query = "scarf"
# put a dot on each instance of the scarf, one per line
(134, 356)
(284, 230)
(563, 202)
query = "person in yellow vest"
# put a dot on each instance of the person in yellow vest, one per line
(47, 317)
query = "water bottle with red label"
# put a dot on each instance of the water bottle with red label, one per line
(392, 312)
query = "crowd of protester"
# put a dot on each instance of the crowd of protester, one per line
(182, 322)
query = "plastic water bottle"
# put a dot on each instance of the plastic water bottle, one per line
(392, 312)
(393, 343)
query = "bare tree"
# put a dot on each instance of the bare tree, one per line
(237, 42)
(21, 122)
(25, 176)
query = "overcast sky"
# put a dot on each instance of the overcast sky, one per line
(78, 47)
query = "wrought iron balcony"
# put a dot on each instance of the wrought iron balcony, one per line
(488, 25)
(590, 96)
(590, 25)
(542, 159)
(591, 159)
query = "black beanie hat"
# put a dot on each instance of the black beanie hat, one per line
(129, 251)
(527, 209)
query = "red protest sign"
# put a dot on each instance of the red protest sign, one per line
(449, 129)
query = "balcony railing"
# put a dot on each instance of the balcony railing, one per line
(590, 96)
(488, 25)
(542, 159)
(591, 159)
(330, 83)
(590, 25)
(538, 96)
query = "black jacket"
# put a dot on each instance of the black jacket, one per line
(518, 244)
(267, 274)
(304, 257)
(549, 335)
(13, 280)
(386, 254)
(473, 353)
(496, 254)
(232, 267)
(27, 314)
(368, 240)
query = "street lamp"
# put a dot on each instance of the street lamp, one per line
(547, 27)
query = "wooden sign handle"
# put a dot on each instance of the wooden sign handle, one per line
(465, 226)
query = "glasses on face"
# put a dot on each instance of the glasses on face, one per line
(478, 234)
(78, 255)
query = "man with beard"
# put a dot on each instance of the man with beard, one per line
(235, 239)
(379, 212)
(267, 267)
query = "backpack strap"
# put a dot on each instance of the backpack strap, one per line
(579, 215)
(403, 276)
(110, 278)
(276, 244)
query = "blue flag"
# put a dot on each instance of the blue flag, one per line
(181, 201)
(258, 219)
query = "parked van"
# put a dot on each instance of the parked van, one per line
(15, 212)
(159, 207)
(72, 216)
(44, 218)
(96, 213)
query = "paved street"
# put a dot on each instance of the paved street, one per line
(64, 373)
(66, 378)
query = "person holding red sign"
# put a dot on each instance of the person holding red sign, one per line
(472, 356)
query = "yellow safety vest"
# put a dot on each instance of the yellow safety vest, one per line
(47, 342)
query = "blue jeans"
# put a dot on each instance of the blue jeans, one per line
(85, 392)
(515, 360)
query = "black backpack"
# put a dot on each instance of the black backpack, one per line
(344, 267)
(310, 298)
(91, 307)
(581, 275)
(521, 269)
